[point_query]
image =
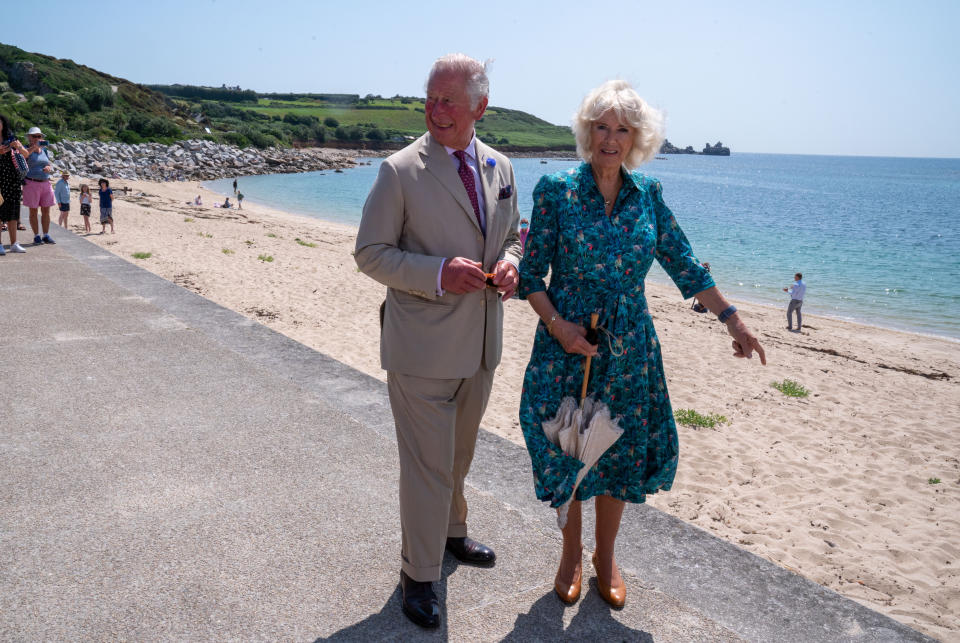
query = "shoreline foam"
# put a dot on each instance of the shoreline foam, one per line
(835, 486)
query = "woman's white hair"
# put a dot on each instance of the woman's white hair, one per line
(618, 95)
(478, 85)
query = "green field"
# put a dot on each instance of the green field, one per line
(405, 117)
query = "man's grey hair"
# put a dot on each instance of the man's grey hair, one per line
(474, 71)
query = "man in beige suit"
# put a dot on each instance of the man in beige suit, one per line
(441, 214)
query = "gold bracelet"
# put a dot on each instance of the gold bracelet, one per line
(553, 318)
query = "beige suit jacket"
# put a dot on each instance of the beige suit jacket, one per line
(417, 214)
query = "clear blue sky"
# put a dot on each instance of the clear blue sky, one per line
(850, 77)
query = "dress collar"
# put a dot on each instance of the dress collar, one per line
(631, 180)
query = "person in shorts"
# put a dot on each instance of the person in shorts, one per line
(37, 193)
(106, 206)
(85, 200)
(61, 192)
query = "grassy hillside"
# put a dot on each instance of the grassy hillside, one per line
(68, 100)
(398, 117)
(73, 101)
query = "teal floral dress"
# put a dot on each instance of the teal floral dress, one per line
(597, 263)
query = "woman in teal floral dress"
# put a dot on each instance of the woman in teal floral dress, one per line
(597, 230)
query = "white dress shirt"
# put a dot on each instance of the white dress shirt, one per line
(798, 290)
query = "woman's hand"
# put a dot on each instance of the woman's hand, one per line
(744, 343)
(4, 149)
(572, 337)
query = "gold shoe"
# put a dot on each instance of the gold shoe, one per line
(616, 596)
(569, 594)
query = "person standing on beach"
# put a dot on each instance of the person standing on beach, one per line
(85, 201)
(234, 187)
(61, 192)
(37, 193)
(239, 200)
(797, 290)
(10, 185)
(439, 229)
(106, 206)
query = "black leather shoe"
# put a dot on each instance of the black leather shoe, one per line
(468, 550)
(419, 602)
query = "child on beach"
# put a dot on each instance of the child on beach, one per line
(239, 200)
(85, 200)
(106, 206)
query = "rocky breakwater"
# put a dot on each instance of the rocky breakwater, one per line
(194, 160)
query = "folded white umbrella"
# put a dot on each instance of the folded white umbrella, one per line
(584, 431)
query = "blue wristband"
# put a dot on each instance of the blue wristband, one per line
(727, 314)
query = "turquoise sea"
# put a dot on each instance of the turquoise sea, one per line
(877, 239)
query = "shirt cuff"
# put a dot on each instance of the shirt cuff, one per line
(439, 274)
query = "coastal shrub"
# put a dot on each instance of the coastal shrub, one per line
(130, 137)
(103, 133)
(258, 138)
(933, 481)
(300, 133)
(266, 258)
(68, 102)
(330, 121)
(305, 243)
(790, 388)
(355, 133)
(690, 417)
(271, 235)
(318, 133)
(188, 219)
(236, 138)
(227, 251)
(376, 135)
(341, 134)
(97, 97)
(300, 119)
(142, 255)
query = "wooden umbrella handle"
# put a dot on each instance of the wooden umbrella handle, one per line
(594, 317)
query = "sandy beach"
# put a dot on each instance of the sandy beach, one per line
(856, 487)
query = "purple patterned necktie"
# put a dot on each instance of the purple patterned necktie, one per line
(466, 175)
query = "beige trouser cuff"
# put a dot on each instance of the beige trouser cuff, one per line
(456, 531)
(421, 574)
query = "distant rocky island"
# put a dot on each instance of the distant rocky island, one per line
(709, 150)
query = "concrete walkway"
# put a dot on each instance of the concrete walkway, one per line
(172, 470)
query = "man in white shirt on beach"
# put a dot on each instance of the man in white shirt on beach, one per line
(797, 290)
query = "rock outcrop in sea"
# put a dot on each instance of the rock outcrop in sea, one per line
(716, 150)
(191, 160)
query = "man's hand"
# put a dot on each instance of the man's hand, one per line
(506, 278)
(461, 275)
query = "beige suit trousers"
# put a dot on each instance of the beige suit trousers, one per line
(437, 422)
